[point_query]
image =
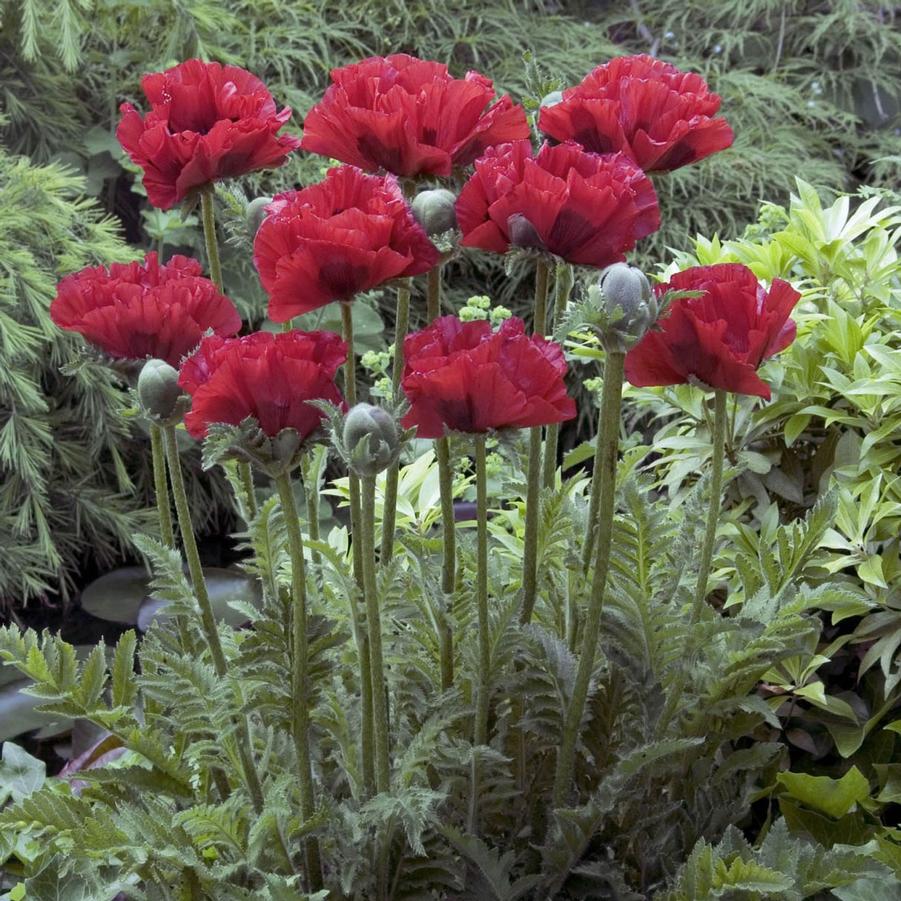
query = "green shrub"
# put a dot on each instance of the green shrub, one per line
(835, 418)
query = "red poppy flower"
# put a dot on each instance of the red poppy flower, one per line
(719, 338)
(410, 117)
(332, 240)
(464, 377)
(270, 377)
(139, 310)
(206, 122)
(656, 114)
(579, 206)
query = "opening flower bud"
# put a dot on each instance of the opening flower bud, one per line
(159, 394)
(630, 304)
(371, 439)
(435, 210)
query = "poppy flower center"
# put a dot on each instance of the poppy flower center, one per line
(387, 158)
(340, 279)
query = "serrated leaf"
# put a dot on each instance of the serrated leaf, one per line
(124, 686)
(92, 678)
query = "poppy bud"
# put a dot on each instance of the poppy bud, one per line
(371, 439)
(435, 210)
(255, 213)
(159, 393)
(630, 304)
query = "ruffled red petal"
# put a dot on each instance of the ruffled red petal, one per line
(719, 338)
(269, 377)
(349, 233)
(582, 207)
(409, 117)
(206, 122)
(659, 116)
(464, 377)
(135, 311)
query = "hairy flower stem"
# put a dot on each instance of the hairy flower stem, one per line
(245, 474)
(448, 525)
(449, 562)
(480, 730)
(374, 625)
(300, 677)
(167, 535)
(356, 531)
(160, 485)
(706, 559)
(389, 511)
(207, 198)
(207, 619)
(596, 483)
(533, 487)
(563, 285)
(310, 473)
(608, 441)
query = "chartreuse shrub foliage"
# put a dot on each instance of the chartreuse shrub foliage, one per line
(832, 427)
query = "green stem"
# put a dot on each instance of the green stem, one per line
(310, 476)
(167, 536)
(606, 473)
(207, 204)
(161, 488)
(706, 559)
(542, 281)
(207, 619)
(300, 676)
(713, 512)
(533, 487)
(433, 293)
(367, 740)
(250, 499)
(448, 524)
(480, 731)
(562, 288)
(599, 438)
(389, 511)
(449, 562)
(374, 625)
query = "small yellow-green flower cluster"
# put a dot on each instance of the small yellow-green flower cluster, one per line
(594, 385)
(378, 362)
(479, 307)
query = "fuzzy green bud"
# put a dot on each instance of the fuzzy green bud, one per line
(255, 212)
(435, 210)
(159, 394)
(371, 439)
(630, 304)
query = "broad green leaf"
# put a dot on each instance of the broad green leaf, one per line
(834, 797)
(20, 773)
